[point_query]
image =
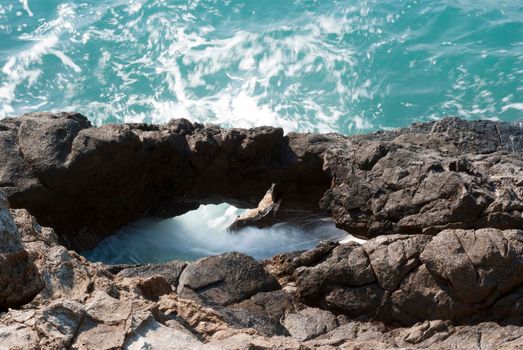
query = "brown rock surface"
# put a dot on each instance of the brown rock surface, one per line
(423, 179)
(83, 306)
(19, 278)
(445, 199)
(225, 279)
(136, 170)
(457, 275)
(170, 271)
(446, 174)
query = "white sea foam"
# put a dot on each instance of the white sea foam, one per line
(240, 103)
(25, 4)
(247, 78)
(204, 232)
(66, 60)
(18, 69)
(24, 68)
(517, 106)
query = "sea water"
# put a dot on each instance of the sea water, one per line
(204, 232)
(345, 66)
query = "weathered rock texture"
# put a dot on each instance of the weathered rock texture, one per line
(265, 214)
(443, 201)
(19, 278)
(457, 275)
(446, 174)
(423, 179)
(84, 306)
(120, 173)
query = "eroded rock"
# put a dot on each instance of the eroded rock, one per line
(83, 306)
(225, 279)
(477, 266)
(136, 170)
(19, 278)
(265, 214)
(423, 179)
(445, 199)
(426, 178)
(458, 275)
(310, 323)
(170, 271)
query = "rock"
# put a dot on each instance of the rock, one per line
(477, 266)
(110, 321)
(225, 279)
(346, 265)
(171, 169)
(485, 335)
(83, 306)
(240, 318)
(273, 305)
(60, 322)
(154, 335)
(421, 332)
(443, 198)
(426, 178)
(263, 215)
(10, 241)
(393, 257)
(457, 275)
(20, 280)
(154, 287)
(18, 337)
(267, 307)
(423, 179)
(117, 268)
(65, 273)
(202, 321)
(309, 323)
(357, 335)
(170, 271)
(419, 297)
(241, 284)
(283, 265)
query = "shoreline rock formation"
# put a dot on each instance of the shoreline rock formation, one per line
(441, 203)
(429, 177)
(120, 173)
(423, 179)
(20, 281)
(457, 275)
(234, 302)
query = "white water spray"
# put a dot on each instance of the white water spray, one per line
(203, 232)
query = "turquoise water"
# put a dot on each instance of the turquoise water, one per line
(346, 66)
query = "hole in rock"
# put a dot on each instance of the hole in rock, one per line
(203, 232)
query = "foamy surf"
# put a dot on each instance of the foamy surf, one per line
(203, 232)
(347, 67)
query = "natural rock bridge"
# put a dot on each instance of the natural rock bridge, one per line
(86, 182)
(440, 202)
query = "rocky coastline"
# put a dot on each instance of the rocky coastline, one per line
(441, 204)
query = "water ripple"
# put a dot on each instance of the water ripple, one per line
(347, 66)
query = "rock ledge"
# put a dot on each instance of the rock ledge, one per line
(440, 202)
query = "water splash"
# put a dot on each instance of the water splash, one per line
(347, 66)
(204, 232)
